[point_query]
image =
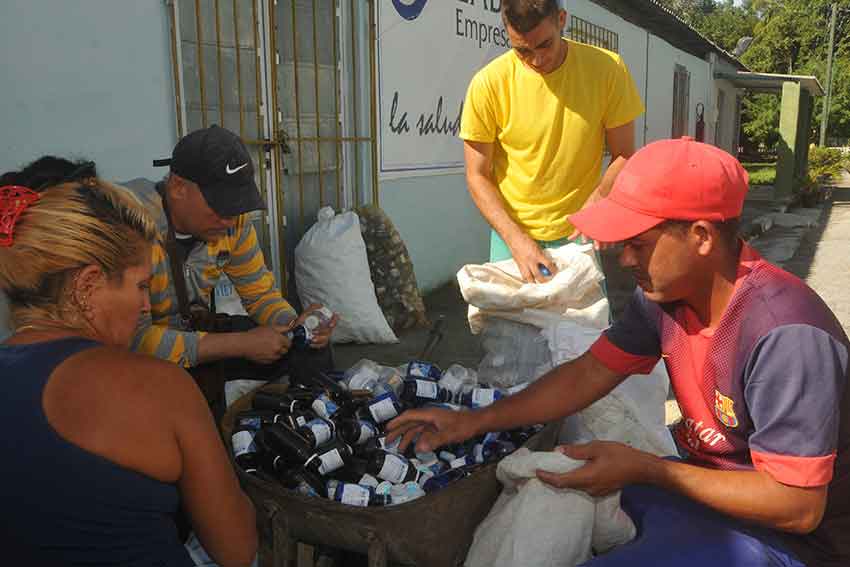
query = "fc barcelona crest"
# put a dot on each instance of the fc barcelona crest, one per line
(724, 408)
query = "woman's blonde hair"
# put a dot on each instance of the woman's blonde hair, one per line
(70, 227)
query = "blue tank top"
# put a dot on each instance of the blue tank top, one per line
(63, 505)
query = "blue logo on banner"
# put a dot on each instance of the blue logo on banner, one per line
(409, 9)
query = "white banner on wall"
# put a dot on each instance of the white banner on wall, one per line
(428, 50)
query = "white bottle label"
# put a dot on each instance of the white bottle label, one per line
(243, 442)
(368, 480)
(457, 463)
(383, 410)
(354, 495)
(331, 461)
(483, 397)
(321, 431)
(301, 420)
(394, 469)
(426, 389)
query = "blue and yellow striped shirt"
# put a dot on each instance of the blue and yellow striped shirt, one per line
(236, 255)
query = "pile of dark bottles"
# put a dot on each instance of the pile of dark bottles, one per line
(326, 438)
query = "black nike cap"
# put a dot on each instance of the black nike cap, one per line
(217, 160)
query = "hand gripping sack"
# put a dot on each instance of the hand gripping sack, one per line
(331, 268)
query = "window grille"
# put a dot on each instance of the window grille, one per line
(294, 79)
(586, 32)
(681, 101)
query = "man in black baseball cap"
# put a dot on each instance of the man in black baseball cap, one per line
(200, 210)
(215, 162)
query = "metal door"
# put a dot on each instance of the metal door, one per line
(294, 78)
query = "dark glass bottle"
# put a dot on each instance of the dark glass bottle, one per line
(416, 392)
(355, 431)
(317, 432)
(329, 458)
(304, 482)
(299, 418)
(481, 397)
(285, 442)
(255, 419)
(388, 466)
(356, 471)
(287, 403)
(384, 407)
(244, 448)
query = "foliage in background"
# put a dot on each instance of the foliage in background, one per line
(761, 173)
(827, 163)
(790, 36)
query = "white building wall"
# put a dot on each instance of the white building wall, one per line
(663, 59)
(85, 79)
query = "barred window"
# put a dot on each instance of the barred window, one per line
(586, 32)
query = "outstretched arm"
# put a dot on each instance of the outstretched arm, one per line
(561, 392)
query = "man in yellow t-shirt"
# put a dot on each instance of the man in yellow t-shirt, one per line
(535, 124)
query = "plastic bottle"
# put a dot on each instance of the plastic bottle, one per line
(442, 480)
(363, 375)
(405, 492)
(416, 392)
(481, 397)
(390, 378)
(302, 335)
(324, 406)
(458, 380)
(422, 369)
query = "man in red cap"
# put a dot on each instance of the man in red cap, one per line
(758, 363)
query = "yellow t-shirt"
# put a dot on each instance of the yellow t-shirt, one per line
(549, 130)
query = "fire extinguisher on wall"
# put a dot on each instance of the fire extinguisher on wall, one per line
(700, 127)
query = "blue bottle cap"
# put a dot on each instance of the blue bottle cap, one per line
(544, 271)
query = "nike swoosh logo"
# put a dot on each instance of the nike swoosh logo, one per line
(235, 169)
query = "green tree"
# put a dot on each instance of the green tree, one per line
(790, 37)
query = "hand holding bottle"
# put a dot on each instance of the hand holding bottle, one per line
(434, 428)
(313, 327)
(264, 344)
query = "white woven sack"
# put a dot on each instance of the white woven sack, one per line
(331, 268)
(496, 289)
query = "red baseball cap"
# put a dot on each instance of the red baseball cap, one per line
(669, 179)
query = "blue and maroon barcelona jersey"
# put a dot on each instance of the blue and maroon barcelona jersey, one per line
(764, 389)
